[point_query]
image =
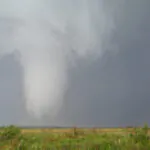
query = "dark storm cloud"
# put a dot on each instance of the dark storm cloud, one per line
(113, 91)
(11, 106)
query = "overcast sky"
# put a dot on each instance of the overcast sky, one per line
(112, 91)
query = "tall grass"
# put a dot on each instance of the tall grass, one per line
(12, 138)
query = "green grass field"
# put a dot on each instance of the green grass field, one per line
(14, 138)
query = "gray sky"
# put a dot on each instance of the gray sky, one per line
(112, 91)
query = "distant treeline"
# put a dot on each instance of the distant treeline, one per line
(36, 127)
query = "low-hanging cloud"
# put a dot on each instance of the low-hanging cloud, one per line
(50, 38)
(48, 35)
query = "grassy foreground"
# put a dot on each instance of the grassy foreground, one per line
(14, 138)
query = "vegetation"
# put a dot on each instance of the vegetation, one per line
(13, 138)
